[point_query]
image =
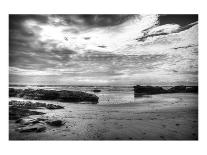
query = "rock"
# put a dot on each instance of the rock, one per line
(32, 128)
(192, 89)
(14, 92)
(177, 89)
(19, 109)
(40, 94)
(183, 89)
(96, 90)
(17, 113)
(147, 90)
(77, 96)
(57, 123)
(26, 104)
(30, 121)
(31, 105)
(64, 95)
(52, 106)
(40, 129)
(27, 121)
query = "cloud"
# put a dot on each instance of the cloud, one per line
(87, 38)
(181, 19)
(102, 46)
(107, 49)
(93, 20)
(164, 30)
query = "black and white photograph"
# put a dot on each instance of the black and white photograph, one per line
(102, 77)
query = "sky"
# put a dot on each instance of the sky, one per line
(103, 49)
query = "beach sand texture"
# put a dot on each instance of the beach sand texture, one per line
(160, 117)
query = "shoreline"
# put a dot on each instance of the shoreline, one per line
(173, 118)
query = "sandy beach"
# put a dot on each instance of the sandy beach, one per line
(103, 77)
(159, 117)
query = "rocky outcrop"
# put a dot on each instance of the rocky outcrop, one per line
(21, 112)
(52, 106)
(57, 123)
(39, 127)
(64, 95)
(77, 96)
(144, 90)
(33, 105)
(96, 90)
(19, 109)
(30, 121)
(37, 124)
(26, 104)
(183, 89)
(17, 113)
(149, 90)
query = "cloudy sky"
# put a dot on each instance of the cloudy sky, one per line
(103, 49)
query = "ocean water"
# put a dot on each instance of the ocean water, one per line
(108, 94)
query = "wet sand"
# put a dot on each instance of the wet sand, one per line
(161, 117)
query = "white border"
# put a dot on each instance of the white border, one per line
(102, 7)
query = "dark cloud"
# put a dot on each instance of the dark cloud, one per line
(16, 24)
(27, 61)
(180, 19)
(15, 20)
(96, 20)
(105, 20)
(185, 47)
(186, 27)
(20, 38)
(27, 52)
(28, 57)
(175, 71)
(102, 46)
(87, 38)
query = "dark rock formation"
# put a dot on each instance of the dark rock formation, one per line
(26, 104)
(52, 106)
(32, 128)
(19, 109)
(183, 89)
(31, 105)
(64, 95)
(77, 96)
(192, 89)
(29, 124)
(96, 90)
(17, 113)
(145, 90)
(177, 89)
(55, 123)
(30, 121)
(149, 90)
